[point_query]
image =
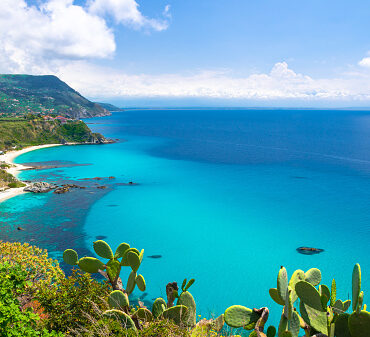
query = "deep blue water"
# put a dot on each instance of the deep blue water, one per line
(225, 196)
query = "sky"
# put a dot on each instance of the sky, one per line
(195, 53)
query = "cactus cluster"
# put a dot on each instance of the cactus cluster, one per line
(123, 256)
(320, 312)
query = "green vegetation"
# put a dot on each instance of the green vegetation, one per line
(37, 299)
(21, 132)
(8, 181)
(22, 94)
(110, 107)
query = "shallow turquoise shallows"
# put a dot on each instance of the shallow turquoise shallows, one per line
(223, 196)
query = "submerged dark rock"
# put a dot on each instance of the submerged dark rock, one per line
(155, 256)
(100, 237)
(309, 250)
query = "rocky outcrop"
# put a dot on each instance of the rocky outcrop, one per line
(40, 187)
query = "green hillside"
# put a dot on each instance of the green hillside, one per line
(23, 132)
(22, 94)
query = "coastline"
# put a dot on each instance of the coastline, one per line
(9, 158)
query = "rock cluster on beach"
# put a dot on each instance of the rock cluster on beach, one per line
(40, 187)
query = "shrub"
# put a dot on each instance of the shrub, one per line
(40, 270)
(16, 184)
(13, 320)
(73, 302)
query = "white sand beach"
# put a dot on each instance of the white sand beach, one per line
(9, 158)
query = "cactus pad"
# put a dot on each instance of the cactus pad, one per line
(315, 318)
(113, 269)
(143, 314)
(90, 264)
(359, 324)
(189, 284)
(70, 257)
(121, 249)
(187, 300)
(324, 291)
(122, 317)
(159, 306)
(276, 297)
(178, 314)
(313, 276)
(356, 285)
(133, 260)
(271, 331)
(297, 276)
(346, 305)
(333, 293)
(282, 283)
(294, 324)
(238, 316)
(131, 282)
(341, 326)
(117, 299)
(140, 282)
(283, 325)
(103, 249)
(288, 307)
(309, 295)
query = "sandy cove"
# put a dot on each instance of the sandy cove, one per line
(9, 158)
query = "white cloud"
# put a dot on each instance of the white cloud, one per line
(365, 62)
(280, 83)
(35, 39)
(126, 12)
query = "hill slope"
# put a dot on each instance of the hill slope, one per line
(21, 94)
(22, 132)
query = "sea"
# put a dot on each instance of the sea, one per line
(224, 196)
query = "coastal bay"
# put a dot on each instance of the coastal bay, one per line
(201, 201)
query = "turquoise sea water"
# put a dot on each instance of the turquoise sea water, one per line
(224, 196)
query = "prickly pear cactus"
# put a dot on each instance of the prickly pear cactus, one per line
(159, 306)
(143, 314)
(140, 282)
(359, 324)
(187, 300)
(90, 264)
(178, 314)
(118, 300)
(103, 249)
(356, 286)
(238, 316)
(122, 317)
(70, 257)
(341, 326)
(130, 257)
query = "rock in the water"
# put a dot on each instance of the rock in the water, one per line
(40, 187)
(309, 250)
(155, 256)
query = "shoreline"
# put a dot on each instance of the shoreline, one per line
(9, 158)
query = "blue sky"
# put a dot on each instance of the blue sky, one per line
(234, 52)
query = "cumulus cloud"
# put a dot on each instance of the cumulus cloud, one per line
(280, 83)
(365, 62)
(127, 12)
(34, 39)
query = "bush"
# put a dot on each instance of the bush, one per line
(74, 302)
(13, 320)
(40, 270)
(16, 184)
